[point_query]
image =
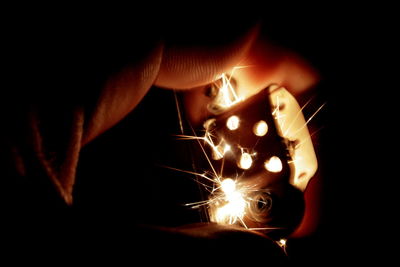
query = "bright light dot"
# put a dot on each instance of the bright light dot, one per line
(235, 207)
(282, 242)
(260, 128)
(274, 164)
(228, 186)
(245, 161)
(232, 123)
(227, 148)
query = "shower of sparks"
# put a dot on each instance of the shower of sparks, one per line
(234, 208)
(230, 200)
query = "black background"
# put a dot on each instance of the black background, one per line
(120, 182)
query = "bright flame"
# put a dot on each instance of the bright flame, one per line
(232, 211)
(228, 186)
(260, 128)
(274, 164)
(235, 206)
(245, 161)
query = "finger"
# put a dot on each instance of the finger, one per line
(219, 241)
(266, 64)
(123, 91)
(175, 64)
(185, 66)
(253, 62)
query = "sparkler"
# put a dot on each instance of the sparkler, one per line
(242, 181)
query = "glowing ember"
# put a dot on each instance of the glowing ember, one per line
(232, 123)
(245, 161)
(235, 206)
(260, 128)
(274, 164)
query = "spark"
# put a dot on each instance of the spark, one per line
(205, 154)
(235, 206)
(178, 109)
(229, 200)
(203, 175)
(311, 135)
(198, 204)
(312, 116)
(277, 114)
(295, 159)
(227, 96)
(227, 192)
(282, 243)
(297, 116)
(219, 150)
(228, 186)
